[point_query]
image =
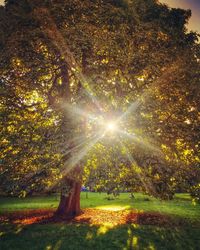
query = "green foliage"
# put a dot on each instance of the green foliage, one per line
(195, 193)
(53, 53)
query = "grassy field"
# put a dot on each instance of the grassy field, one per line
(180, 206)
(87, 236)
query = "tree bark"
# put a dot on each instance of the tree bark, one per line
(69, 205)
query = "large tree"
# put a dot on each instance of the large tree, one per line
(67, 66)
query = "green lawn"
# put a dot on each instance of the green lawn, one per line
(84, 236)
(181, 206)
(56, 236)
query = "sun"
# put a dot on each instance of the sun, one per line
(111, 126)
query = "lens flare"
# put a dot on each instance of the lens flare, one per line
(111, 126)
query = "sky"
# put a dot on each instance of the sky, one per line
(194, 5)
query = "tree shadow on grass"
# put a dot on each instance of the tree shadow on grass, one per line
(85, 236)
(50, 233)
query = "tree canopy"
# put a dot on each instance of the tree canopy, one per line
(69, 67)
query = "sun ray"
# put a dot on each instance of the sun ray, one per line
(73, 149)
(78, 156)
(66, 141)
(50, 29)
(64, 150)
(141, 175)
(132, 108)
(150, 88)
(74, 109)
(142, 141)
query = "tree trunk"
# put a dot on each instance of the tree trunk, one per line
(69, 205)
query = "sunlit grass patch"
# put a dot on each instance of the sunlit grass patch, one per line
(113, 208)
